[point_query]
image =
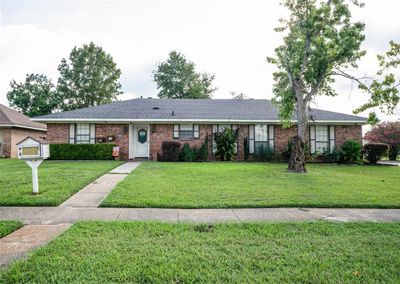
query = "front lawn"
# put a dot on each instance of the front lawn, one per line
(224, 185)
(7, 227)
(122, 252)
(58, 180)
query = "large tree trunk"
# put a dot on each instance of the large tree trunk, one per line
(297, 160)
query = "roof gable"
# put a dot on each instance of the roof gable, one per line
(10, 117)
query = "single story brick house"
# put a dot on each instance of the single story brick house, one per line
(139, 126)
(14, 127)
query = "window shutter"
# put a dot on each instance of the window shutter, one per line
(176, 131)
(332, 137)
(72, 134)
(251, 139)
(312, 139)
(214, 145)
(196, 131)
(271, 138)
(92, 139)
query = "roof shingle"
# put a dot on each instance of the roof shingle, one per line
(10, 117)
(190, 109)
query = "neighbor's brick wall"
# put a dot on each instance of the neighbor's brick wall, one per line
(6, 142)
(121, 134)
(18, 134)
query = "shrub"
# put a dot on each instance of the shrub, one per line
(188, 154)
(265, 154)
(375, 151)
(246, 148)
(81, 151)
(394, 152)
(226, 144)
(387, 133)
(170, 151)
(350, 152)
(202, 153)
(333, 156)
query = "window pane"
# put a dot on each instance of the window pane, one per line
(261, 132)
(321, 133)
(222, 127)
(82, 133)
(186, 131)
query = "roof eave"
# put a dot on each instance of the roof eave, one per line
(23, 126)
(249, 121)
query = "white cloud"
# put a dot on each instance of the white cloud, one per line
(229, 39)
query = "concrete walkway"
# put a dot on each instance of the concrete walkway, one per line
(94, 193)
(44, 223)
(389, 163)
(61, 215)
(19, 243)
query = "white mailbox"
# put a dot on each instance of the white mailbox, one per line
(33, 151)
(33, 148)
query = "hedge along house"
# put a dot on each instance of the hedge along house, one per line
(139, 126)
(14, 127)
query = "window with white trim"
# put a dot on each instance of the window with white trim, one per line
(322, 139)
(82, 133)
(261, 136)
(186, 131)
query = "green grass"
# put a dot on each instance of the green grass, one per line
(317, 252)
(57, 180)
(7, 227)
(224, 185)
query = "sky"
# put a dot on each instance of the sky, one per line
(230, 39)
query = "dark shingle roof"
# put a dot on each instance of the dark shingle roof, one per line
(189, 109)
(10, 117)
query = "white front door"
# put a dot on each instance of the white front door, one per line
(141, 141)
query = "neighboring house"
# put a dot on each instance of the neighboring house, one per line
(139, 126)
(14, 127)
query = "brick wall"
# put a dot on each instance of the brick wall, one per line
(165, 132)
(282, 136)
(58, 133)
(121, 134)
(348, 132)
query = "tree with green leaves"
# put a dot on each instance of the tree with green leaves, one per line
(384, 87)
(177, 78)
(34, 97)
(90, 77)
(319, 41)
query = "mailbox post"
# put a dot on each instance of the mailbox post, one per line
(33, 151)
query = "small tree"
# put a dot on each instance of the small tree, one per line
(176, 78)
(387, 133)
(36, 96)
(319, 41)
(226, 144)
(89, 78)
